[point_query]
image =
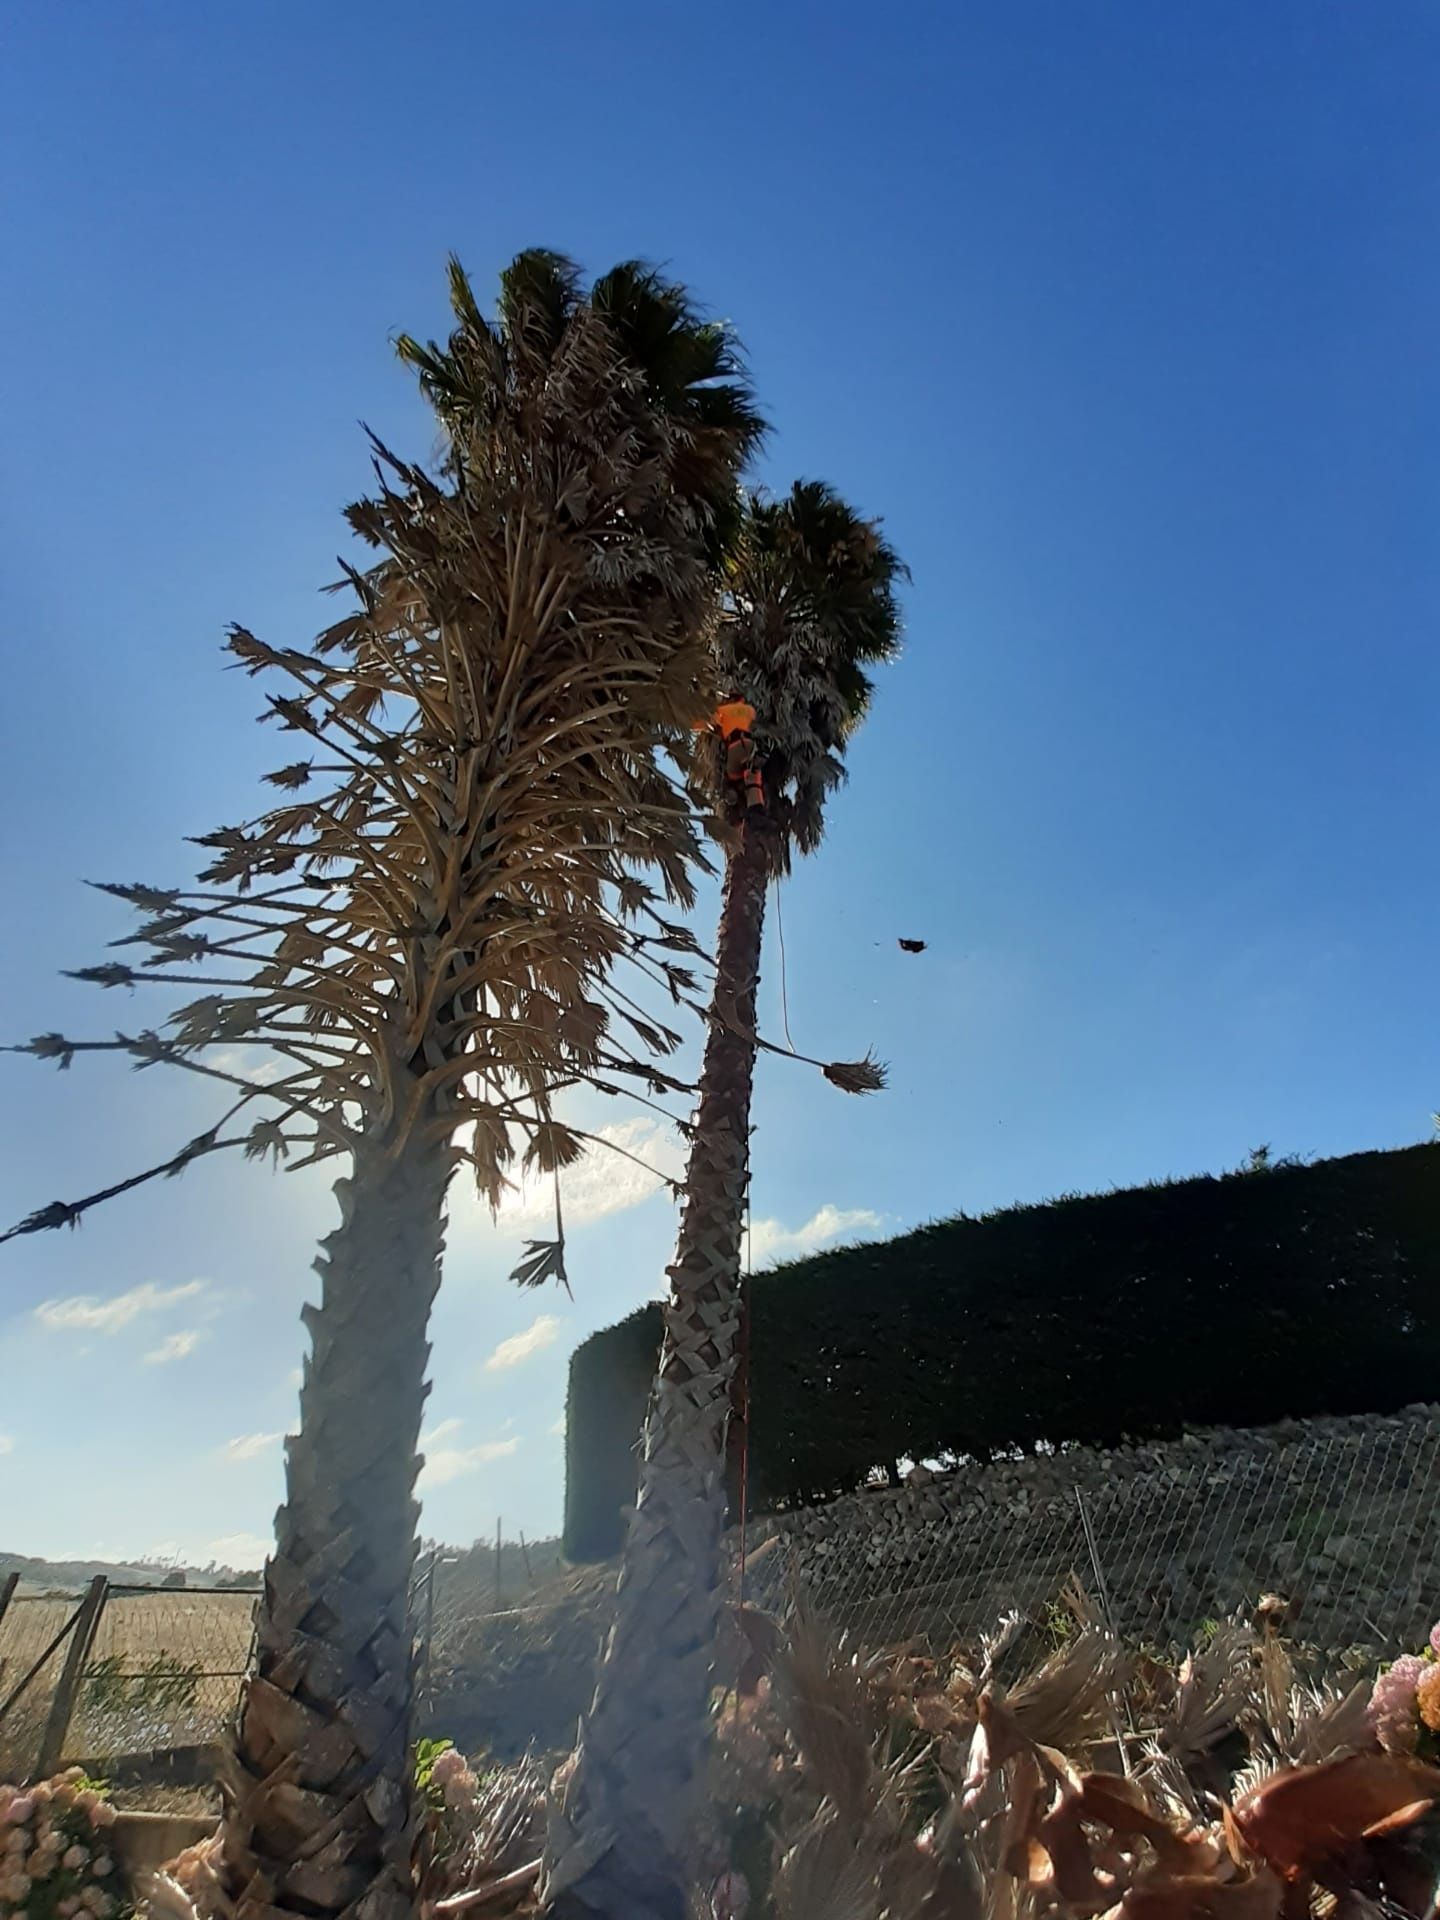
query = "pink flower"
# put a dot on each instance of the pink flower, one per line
(67, 1907)
(74, 1859)
(102, 1814)
(449, 1765)
(1435, 1639)
(104, 1867)
(1394, 1715)
(460, 1792)
(20, 1809)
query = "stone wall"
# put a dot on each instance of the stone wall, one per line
(1340, 1518)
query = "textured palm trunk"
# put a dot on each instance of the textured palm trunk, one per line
(621, 1843)
(318, 1798)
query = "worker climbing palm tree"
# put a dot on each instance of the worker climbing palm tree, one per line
(733, 724)
(810, 604)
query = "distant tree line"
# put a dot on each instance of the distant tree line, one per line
(1280, 1290)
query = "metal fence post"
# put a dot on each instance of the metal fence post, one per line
(1106, 1610)
(424, 1677)
(62, 1707)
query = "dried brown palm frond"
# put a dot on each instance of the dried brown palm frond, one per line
(848, 1829)
(1068, 1702)
(1292, 1720)
(1213, 1687)
(836, 1714)
(826, 1874)
(163, 1898)
(422, 939)
(191, 1886)
(499, 1859)
(856, 1076)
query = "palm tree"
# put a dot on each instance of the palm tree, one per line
(811, 604)
(426, 949)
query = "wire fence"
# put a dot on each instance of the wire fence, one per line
(1338, 1521)
(454, 1587)
(128, 1673)
(119, 1671)
(1340, 1527)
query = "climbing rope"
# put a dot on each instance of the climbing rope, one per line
(784, 985)
(742, 1413)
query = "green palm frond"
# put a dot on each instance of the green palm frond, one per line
(811, 601)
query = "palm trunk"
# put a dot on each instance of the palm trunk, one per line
(318, 1794)
(621, 1845)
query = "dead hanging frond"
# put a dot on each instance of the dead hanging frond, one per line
(416, 942)
(851, 1076)
(69, 1213)
(542, 1260)
(856, 1076)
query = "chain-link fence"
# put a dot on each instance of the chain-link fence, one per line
(1340, 1523)
(124, 1673)
(119, 1671)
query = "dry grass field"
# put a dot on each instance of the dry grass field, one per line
(163, 1671)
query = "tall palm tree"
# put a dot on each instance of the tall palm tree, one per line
(811, 605)
(426, 949)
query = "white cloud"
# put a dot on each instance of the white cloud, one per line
(7, 1445)
(175, 1346)
(250, 1446)
(84, 1313)
(239, 1550)
(255, 1064)
(543, 1331)
(605, 1181)
(558, 1428)
(444, 1464)
(770, 1240)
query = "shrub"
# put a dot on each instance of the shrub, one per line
(1282, 1290)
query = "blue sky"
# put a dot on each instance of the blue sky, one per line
(1123, 317)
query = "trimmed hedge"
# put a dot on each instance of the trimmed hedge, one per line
(1236, 1301)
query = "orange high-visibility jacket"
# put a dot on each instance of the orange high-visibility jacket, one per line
(734, 716)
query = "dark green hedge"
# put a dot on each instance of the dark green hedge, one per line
(1232, 1301)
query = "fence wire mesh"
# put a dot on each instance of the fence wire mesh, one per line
(1342, 1525)
(162, 1671)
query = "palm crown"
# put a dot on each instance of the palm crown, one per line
(424, 931)
(810, 604)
